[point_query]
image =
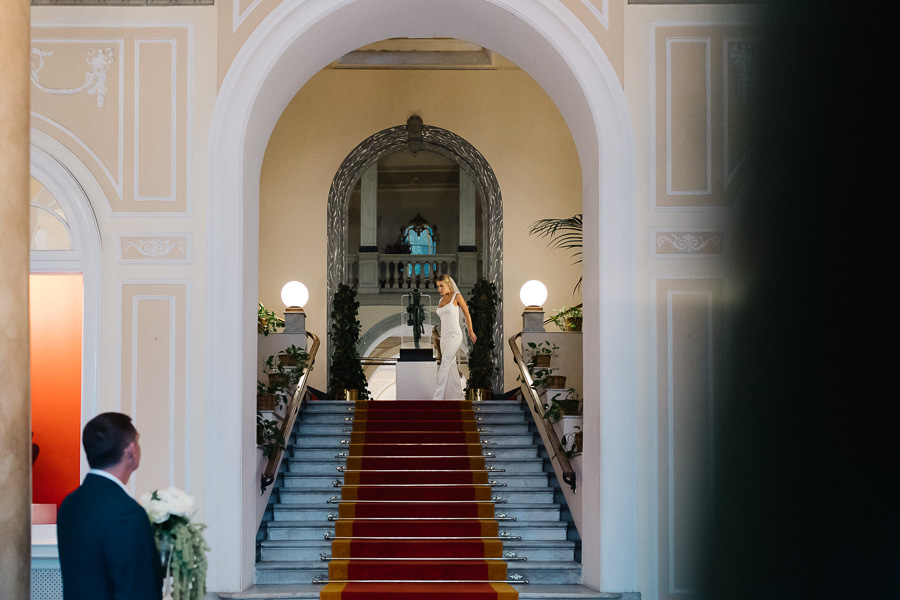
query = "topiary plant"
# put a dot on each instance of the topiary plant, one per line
(483, 309)
(346, 371)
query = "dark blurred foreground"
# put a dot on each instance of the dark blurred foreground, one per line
(807, 469)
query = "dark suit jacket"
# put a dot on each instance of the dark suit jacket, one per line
(106, 545)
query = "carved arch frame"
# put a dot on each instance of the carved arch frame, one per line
(449, 145)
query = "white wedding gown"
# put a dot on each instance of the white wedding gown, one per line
(449, 386)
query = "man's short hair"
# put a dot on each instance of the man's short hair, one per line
(105, 438)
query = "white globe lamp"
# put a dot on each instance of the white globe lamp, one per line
(533, 295)
(295, 295)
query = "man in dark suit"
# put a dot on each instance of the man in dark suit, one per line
(106, 545)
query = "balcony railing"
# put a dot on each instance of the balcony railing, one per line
(375, 273)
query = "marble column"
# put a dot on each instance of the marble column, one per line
(368, 231)
(467, 258)
(15, 402)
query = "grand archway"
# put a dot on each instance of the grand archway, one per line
(439, 141)
(548, 42)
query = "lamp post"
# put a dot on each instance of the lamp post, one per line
(295, 295)
(533, 294)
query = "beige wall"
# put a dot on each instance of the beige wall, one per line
(136, 146)
(503, 113)
(685, 76)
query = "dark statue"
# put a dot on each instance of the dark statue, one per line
(416, 316)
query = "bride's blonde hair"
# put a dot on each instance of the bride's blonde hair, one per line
(449, 281)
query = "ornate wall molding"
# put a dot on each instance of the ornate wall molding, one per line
(154, 248)
(98, 59)
(668, 243)
(431, 139)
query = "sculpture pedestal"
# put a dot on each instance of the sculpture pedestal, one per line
(416, 373)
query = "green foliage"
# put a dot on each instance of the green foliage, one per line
(546, 347)
(278, 364)
(566, 234)
(482, 359)
(560, 316)
(346, 371)
(267, 321)
(558, 407)
(268, 435)
(572, 443)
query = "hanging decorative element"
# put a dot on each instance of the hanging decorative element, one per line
(99, 61)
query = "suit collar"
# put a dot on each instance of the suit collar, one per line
(111, 477)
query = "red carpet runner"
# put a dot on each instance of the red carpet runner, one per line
(416, 520)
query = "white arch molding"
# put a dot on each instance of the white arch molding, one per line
(547, 41)
(66, 177)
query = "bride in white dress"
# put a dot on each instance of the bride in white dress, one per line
(448, 386)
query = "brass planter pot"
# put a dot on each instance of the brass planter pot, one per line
(351, 395)
(279, 379)
(573, 323)
(266, 401)
(541, 360)
(556, 382)
(479, 394)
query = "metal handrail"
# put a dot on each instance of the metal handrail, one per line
(290, 416)
(551, 441)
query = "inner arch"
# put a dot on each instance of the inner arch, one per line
(439, 141)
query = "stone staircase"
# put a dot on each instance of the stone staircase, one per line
(292, 540)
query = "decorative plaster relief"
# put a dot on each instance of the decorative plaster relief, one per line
(703, 77)
(135, 137)
(154, 248)
(689, 242)
(99, 61)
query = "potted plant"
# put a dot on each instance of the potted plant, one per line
(279, 377)
(268, 435)
(568, 318)
(562, 403)
(572, 442)
(294, 357)
(482, 359)
(347, 379)
(267, 321)
(540, 353)
(267, 397)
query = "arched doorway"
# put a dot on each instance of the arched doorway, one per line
(428, 139)
(65, 284)
(548, 42)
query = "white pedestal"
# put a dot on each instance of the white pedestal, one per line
(415, 380)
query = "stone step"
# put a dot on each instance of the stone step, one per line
(295, 572)
(332, 451)
(516, 480)
(311, 466)
(316, 530)
(309, 512)
(310, 591)
(297, 495)
(340, 429)
(308, 550)
(334, 441)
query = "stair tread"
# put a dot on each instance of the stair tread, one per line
(533, 591)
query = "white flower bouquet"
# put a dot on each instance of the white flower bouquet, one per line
(180, 542)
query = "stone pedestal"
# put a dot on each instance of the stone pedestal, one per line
(416, 375)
